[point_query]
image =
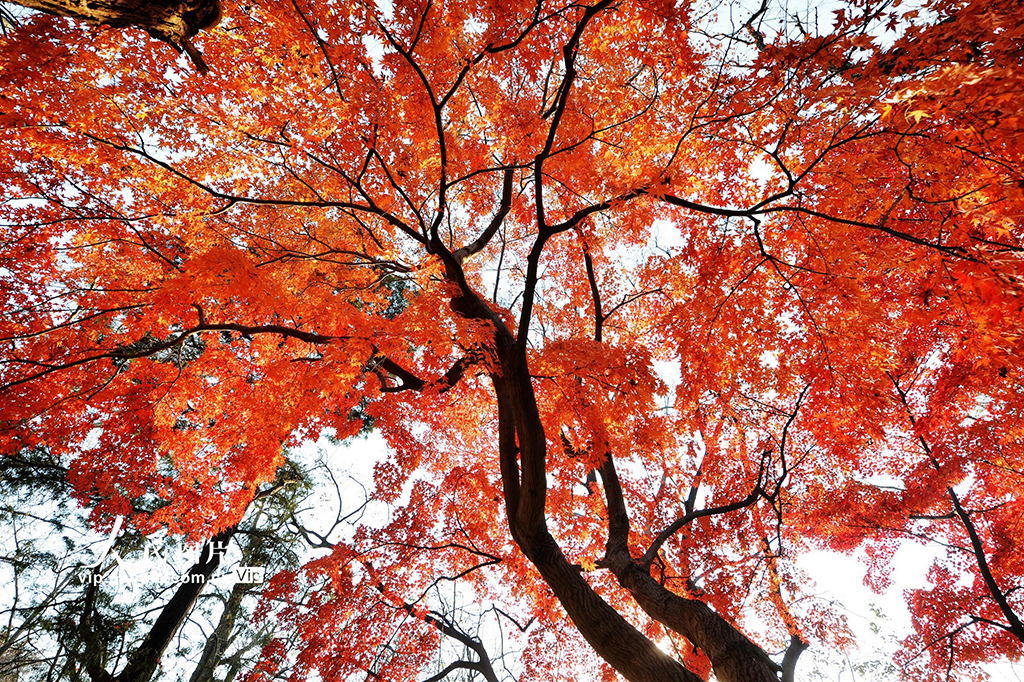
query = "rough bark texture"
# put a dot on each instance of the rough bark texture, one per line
(174, 21)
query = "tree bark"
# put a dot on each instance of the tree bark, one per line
(733, 656)
(174, 21)
(221, 635)
(613, 638)
(522, 450)
(143, 663)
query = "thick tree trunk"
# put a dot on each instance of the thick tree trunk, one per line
(143, 663)
(613, 638)
(733, 656)
(172, 20)
(522, 450)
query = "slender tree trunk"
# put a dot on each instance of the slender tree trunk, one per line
(613, 638)
(143, 662)
(174, 21)
(221, 635)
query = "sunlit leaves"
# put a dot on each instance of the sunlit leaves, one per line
(199, 271)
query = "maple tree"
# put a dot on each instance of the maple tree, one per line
(435, 218)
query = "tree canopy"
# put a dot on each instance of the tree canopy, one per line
(647, 299)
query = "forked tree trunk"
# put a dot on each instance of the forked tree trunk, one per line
(522, 451)
(174, 21)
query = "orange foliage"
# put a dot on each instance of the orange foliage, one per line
(334, 224)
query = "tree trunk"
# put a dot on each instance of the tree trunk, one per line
(174, 21)
(613, 638)
(733, 656)
(218, 641)
(522, 451)
(144, 661)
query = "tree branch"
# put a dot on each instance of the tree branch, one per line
(503, 208)
(124, 354)
(411, 382)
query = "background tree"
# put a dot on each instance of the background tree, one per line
(826, 354)
(62, 625)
